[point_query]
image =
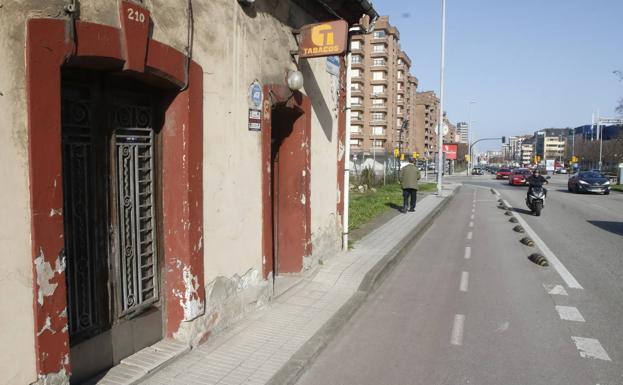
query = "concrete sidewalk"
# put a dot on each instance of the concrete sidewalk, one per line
(274, 344)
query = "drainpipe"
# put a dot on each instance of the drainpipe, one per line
(347, 152)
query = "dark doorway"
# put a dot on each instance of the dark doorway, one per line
(110, 146)
(289, 189)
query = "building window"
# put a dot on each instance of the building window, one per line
(378, 89)
(378, 102)
(399, 96)
(355, 44)
(357, 59)
(378, 75)
(399, 110)
(355, 129)
(400, 74)
(378, 143)
(378, 34)
(355, 101)
(355, 72)
(379, 62)
(355, 86)
(378, 48)
(378, 130)
(378, 116)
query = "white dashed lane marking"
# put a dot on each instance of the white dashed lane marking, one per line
(569, 313)
(457, 330)
(470, 235)
(590, 348)
(463, 286)
(471, 224)
(468, 252)
(555, 289)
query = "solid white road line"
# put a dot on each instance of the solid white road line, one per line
(464, 281)
(468, 252)
(471, 224)
(457, 330)
(553, 260)
(569, 313)
(470, 235)
(590, 348)
(555, 289)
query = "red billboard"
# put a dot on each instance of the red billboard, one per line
(450, 151)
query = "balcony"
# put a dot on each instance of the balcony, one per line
(356, 92)
(378, 107)
(381, 95)
(358, 120)
(357, 64)
(379, 81)
(384, 54)
(378, 122)
(356, 107)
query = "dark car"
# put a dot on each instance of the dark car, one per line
(503, 173)
(589, 181)
(477, 171)
(519, 177)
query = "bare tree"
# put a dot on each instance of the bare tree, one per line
(619, 107)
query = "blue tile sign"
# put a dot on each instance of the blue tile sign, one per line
(333, 65)
(256, 96)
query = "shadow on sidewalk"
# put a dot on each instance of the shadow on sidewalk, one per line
(394, 206)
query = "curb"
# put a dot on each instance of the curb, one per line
(298, 363)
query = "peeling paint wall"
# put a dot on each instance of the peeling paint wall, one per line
(234, 46)
(16, 269)
(227, 301)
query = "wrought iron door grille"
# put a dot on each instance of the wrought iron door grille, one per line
(80, 213)
(133, 140)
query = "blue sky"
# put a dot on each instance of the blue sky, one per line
(528, 64)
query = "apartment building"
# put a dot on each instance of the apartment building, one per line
(550, 143)
(463, 132)
(527, 151)
(382, 91)
(426, 115)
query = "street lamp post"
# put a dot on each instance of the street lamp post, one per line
(469, 136)
(440, 122)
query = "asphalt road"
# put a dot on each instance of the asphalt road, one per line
(465, 306)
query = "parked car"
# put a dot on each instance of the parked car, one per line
(589, 181)
(503, 173)
(477, 171)
(519, 177)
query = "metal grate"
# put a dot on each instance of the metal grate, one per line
(133, 140)
(81, 249)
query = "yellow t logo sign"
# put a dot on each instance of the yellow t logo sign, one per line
(322, 35)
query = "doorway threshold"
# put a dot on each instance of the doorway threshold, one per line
(133, 369)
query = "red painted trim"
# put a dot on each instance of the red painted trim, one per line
(278, 94)
(99, 47)
(182, 174)
(46, 49)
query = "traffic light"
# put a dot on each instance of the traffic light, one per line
(503, 139)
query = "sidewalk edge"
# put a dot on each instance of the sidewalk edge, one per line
(295, 367)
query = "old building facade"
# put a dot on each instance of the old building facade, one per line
(143, 204)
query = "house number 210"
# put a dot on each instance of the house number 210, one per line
(136, 15)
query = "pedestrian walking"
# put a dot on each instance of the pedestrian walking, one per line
(409, 177)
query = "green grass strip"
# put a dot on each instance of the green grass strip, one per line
(366, 206)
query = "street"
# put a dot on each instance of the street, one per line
(467, 306)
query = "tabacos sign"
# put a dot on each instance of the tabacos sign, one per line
(323, 39)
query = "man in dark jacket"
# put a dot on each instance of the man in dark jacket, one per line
(409, 176)
(536, 179)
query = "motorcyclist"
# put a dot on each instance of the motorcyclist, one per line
(536, 180)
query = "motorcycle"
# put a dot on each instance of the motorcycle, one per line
(536, 199)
